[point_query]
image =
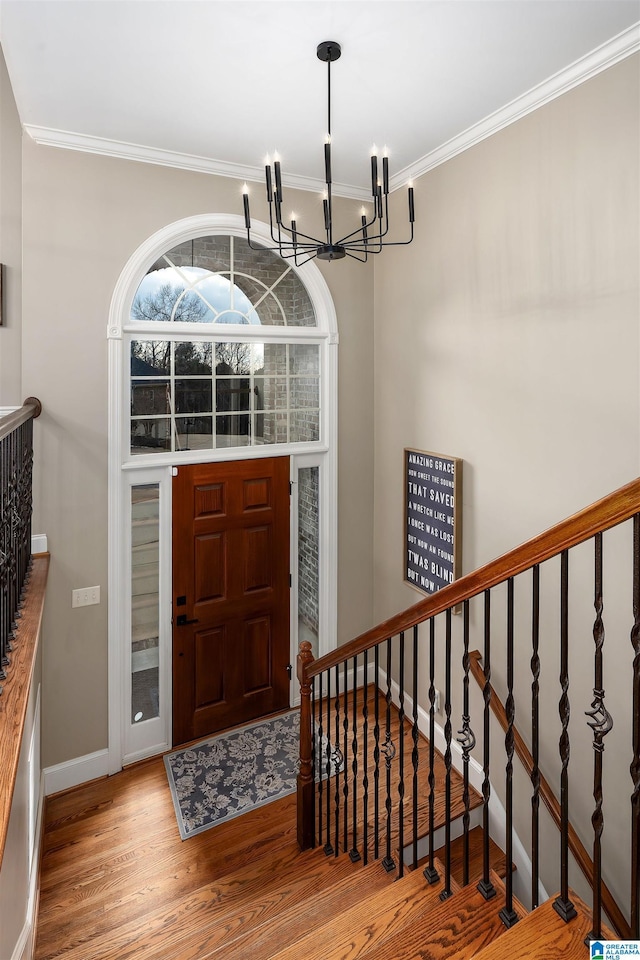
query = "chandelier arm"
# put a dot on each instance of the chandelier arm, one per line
(355, 257)
(389, 243)
(273, 237)
(312, 240)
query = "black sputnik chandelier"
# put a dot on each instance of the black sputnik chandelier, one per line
(366, 239)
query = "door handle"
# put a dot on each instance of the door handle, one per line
(183, 622)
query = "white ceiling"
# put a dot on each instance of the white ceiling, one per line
(227, 81)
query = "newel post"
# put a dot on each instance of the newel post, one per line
(306, 832)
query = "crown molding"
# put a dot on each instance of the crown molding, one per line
(618, 48)
(122, 150)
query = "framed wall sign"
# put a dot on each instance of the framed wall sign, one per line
(433, 505)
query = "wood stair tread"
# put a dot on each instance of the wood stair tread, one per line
(359, 929)
(542, 933)
(457, 928)
(497, 858)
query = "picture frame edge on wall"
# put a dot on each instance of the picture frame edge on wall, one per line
(453, 510)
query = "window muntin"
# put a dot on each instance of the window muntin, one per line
(192, 395)
(220, 279)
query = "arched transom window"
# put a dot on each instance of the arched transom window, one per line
(222, 351)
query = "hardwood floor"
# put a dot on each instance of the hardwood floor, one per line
(118, 883)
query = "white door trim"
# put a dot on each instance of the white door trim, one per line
(121, 748)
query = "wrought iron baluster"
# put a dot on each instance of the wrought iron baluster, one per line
(336, 777)
(328, 849)
(430, 872)
(345, 750)
(354, 853)
(318, 754)
(314, 757)
(401, 760)
(562, 904)
(467, 741)
(365, 760)
(635, 762)
(414, 751)
(535, 740)
(389, 751)
(376, 758)
(508, 914)
(447, 892)
(4, 548)
(600, 723)
(485, 886)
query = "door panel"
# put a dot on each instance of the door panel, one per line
(231, 591)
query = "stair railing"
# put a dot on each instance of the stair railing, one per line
(333, 686)
(16, 459)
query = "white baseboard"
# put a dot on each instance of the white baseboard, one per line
(63, 776)
(39, 543)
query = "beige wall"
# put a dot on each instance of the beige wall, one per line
(508, 335)
(84, 216)
(10, 242)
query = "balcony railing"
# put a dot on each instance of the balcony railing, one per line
(16, 459)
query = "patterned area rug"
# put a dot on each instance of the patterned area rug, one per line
(234, 772)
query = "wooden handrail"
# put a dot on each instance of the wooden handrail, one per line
(548, 797)
(602, 515)
(30, 408)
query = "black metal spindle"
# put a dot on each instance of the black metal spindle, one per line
(508, 914)
(447, 892)
(365, 761)
(354, 853)
(600, 723)
(485, 886)
(562, 904)
(401, 759)
(315, 759)
(467, 741)
(535, 740)
(345, 750)
(319, 753)
(430, 872)
(328, 848)
(376, 758)
(389, 751)
(635, 762)
(338, 753)
(415, 735)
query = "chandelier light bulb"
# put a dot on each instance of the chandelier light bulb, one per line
(267, 160)
(276, 156)
(245, 188)
(374, 151)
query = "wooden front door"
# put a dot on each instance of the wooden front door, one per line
(230, 594)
